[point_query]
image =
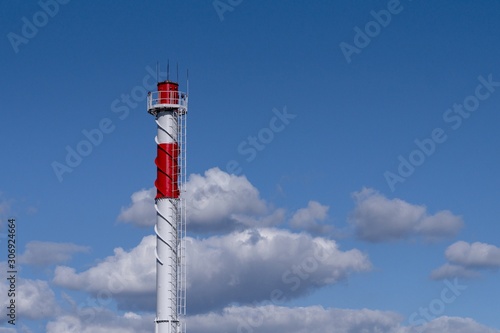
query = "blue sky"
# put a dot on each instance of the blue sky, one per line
(291, 142)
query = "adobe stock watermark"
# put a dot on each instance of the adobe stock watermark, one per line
(3, 235)
(31, 27)
(223, 6)
(250, 147)
(253, 144)
(363, 37)
(454, 118)
(292, 278)
(94, 137)
(437, 306)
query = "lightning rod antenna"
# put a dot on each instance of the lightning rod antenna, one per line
(168, 69)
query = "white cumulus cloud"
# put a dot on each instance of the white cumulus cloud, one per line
(216, 201)
(480, 255)
(447, 324)
(268, 319)
(34, 299)
(451, 271)
(141, 211)
(101, 321)
(310, 218)
(467, 259)
(313, 319)
(378, 219)
(243, 266)
(316, 319)
(128, 276)
(48, 253)
(246, 267)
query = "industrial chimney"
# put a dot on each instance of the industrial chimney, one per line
(169, 107)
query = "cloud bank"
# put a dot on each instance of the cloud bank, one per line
(242, 267)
